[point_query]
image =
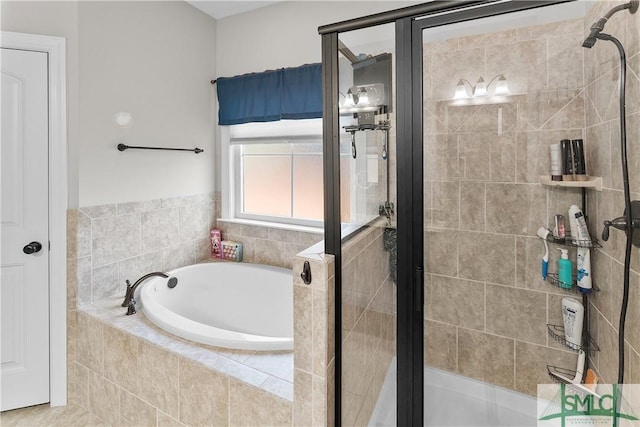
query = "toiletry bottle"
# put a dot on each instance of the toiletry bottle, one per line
(556, 162)
(573, 316)
(559, 232)
(573, 223)
(567, 160)
(583, 267)
(565, 279)
(578, 160)
(583, 232)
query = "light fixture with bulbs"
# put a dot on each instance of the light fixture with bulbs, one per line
(481, 88)
(363, 98)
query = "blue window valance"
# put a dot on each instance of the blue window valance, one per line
(286, 93)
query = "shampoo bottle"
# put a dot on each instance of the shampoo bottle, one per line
(573, 316)
(583, 267)
(573, 222)
(565, 278)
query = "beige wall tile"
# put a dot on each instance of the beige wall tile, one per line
(319, 401)
(89, 350)
(104, 281)
(440, 345)
(72, 283)
(320, 331)
(204, 395)
(354, 374)
(531, 365)
(165, 420)
(160, 229)
(529, 252)
(456, 301)
(503, 157)
(79, 385)
(135, 412)
(472, 206)
(133, 268)
(178, 256)
(83, 235)
(441, 252)
(454, 65)
(104, 398)
(158, 377)
(487, 257)
(84, 279)
(114, 239)
(138, 207)
(476, 348)
(446, 196)
(303, 398)
(517, 313)
(121, 358)
(524, 64)
(195, 221)
(250, 406)
(608, 357)
(303, 328)
(515, 209)
(269, 252)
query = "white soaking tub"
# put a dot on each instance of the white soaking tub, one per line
(225, 304)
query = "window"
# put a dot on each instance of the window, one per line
(272, 172)
(275, 172)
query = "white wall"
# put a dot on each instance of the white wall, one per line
(60, 19)
(283, 35)
(154, 60)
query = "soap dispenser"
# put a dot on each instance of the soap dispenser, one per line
(565, 270)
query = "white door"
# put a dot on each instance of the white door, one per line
(24, 270)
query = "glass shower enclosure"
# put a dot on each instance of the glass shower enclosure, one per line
(433, 200)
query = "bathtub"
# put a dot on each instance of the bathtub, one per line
(225, 304)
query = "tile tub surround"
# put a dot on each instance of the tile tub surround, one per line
(112, 357)
(270, 245)
(129, 372)
(127, 240)
(314, 355)
(484, 295)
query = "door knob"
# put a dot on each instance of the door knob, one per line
(32, 248)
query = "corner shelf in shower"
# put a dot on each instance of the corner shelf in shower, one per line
(556, 373)
(552, 279)
(593, 182)
(557, 333)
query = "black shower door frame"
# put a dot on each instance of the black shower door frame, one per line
(409, 25)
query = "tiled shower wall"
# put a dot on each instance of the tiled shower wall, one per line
(486, 305)
(601, 68)
(368, 323)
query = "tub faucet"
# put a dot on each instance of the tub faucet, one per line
(129, 302)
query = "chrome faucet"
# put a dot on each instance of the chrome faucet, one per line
(129, 302)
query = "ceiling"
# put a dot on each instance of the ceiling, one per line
(222, 9)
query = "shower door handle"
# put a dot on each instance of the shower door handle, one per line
(419, 290)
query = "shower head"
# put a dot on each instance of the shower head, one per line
(597, 28)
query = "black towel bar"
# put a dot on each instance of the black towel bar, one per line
(122, 147)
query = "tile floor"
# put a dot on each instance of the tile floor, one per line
(45, 415)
